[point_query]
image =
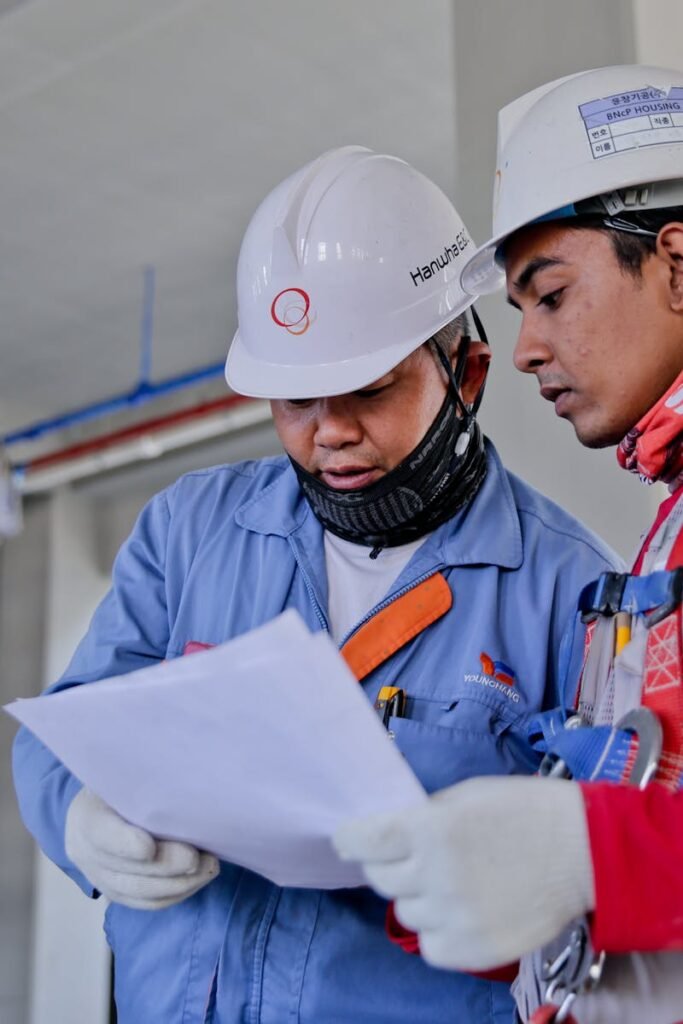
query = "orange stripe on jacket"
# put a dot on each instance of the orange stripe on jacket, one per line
(396, 625)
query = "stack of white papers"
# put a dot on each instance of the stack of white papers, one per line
(256, 750)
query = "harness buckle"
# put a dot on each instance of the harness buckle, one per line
(554, 767)
(576, 969)
(675, 597)
(653, 596)
(647, 728)
(602, 597)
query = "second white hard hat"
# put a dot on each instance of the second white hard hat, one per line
(345, 269)
(585, 135)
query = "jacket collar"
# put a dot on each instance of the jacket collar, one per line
(486, 532)
(279, 509)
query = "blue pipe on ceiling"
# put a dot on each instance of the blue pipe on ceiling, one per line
(140, 395)
(143, 393)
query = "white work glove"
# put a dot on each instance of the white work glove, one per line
(127, 864)
(483, 871)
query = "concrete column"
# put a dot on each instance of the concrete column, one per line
(70, 962)
(23, 583)
(659, 32)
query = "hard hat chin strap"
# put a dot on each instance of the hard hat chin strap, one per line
(456, 375)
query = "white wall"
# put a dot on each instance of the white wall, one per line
(23, 589)
(163, 125)
(659, 32)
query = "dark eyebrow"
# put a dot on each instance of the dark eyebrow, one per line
(533, 267)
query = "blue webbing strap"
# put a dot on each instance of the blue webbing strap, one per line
(596, 753)
(654, 595)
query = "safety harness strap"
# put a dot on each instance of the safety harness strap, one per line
(663, 681)
(609, 753)
(598, 754)
(654, 596)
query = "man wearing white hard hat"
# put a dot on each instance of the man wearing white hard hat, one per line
(446, 582)
(588, 235)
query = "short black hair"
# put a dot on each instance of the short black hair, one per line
(450, 334)
(631, 249)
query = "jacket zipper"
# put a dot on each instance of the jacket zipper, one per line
(373, 611)
(390, 600)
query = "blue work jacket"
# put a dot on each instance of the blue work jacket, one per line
(225, 550)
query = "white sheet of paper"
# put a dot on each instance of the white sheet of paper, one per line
(255, 750)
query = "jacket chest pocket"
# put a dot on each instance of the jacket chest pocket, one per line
(447, 742)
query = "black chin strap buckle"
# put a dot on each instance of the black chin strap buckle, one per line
(455, 376)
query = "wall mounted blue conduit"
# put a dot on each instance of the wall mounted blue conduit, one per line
(144, 392)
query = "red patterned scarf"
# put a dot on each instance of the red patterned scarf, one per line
(654, 447)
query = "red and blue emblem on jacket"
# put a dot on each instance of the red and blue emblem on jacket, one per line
(497, 669)
(496, 675)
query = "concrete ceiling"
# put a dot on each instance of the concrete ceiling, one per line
(145, 132)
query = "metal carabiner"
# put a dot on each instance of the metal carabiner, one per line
(555, 767)
(548, 1014)
(565, 968)
(647, 729)
(564, 1007)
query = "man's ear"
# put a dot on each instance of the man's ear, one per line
(670, 249)
(476, 367)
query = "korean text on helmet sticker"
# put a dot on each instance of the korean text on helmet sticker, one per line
(629, 120)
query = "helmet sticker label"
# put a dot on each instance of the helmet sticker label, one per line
(291, 309)
(629, 120)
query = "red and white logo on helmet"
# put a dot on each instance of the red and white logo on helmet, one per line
(291, 309)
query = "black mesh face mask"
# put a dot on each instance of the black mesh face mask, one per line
(441, 475)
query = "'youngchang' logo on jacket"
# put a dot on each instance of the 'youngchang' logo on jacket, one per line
(496, 675)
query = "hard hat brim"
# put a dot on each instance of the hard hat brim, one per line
(256, 378)
(482, 275)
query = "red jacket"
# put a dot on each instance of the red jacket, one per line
(636, 842)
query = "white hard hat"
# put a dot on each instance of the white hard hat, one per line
(345, 269)
(585, 135)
